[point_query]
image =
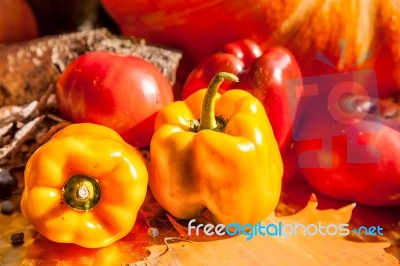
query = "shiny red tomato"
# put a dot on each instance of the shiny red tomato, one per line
(122, 92)
(350, 149)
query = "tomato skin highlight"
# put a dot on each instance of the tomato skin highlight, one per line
(122, 92)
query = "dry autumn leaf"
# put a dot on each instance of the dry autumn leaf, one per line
(304, 250)
(298, 205)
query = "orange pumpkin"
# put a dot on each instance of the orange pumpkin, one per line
(306, 27)
(17, 21)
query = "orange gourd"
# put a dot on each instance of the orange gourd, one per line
(304, 26)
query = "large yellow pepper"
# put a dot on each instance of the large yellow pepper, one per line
(85, 186)
(228, 161)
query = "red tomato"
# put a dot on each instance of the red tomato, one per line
(350, 150)
(122, 92)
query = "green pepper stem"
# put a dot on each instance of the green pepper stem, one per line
(207, 120)
(81, 192)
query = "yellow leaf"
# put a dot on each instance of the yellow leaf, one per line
(275, 250)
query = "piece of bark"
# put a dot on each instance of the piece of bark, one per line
(27, 69)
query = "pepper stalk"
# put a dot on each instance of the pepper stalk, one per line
(208, 120)
(81, 192)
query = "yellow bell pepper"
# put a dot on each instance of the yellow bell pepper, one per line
(84, 186)
(228, 161)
